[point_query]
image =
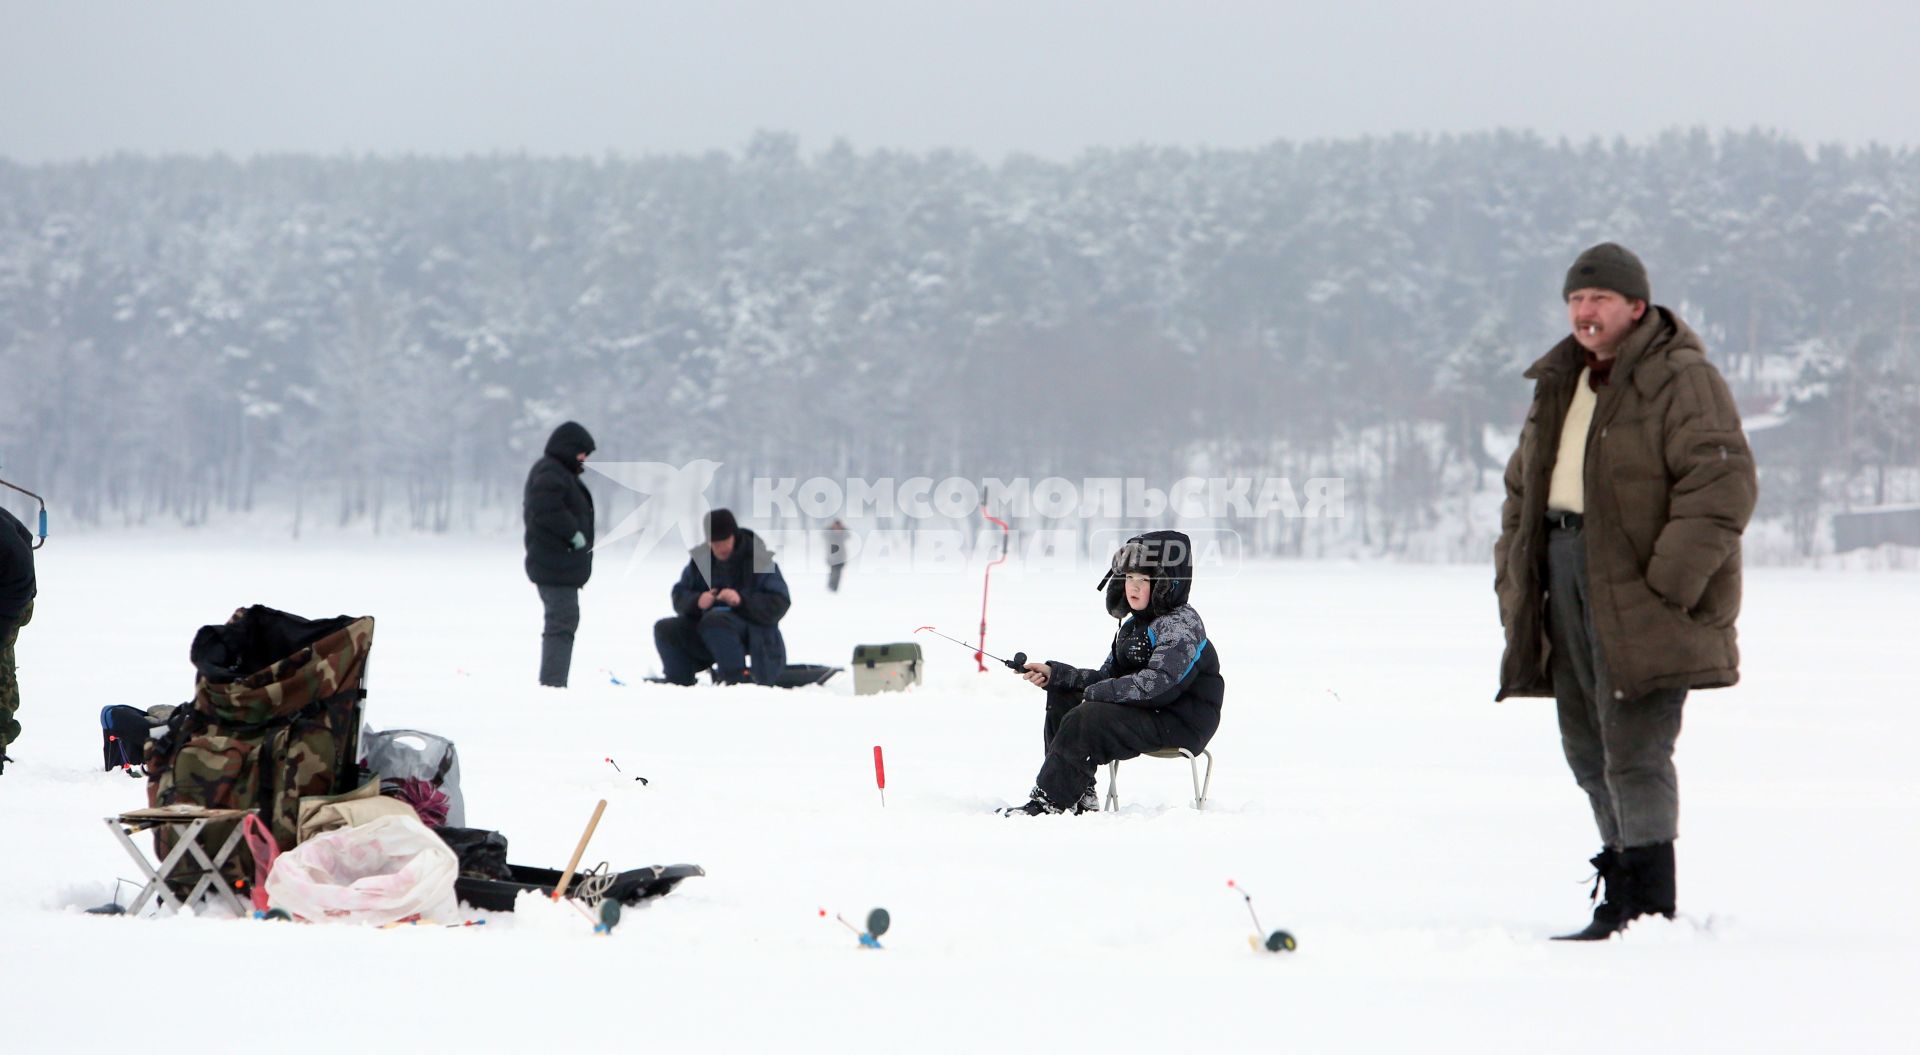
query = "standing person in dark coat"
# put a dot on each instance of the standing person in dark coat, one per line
(17, 591)
(727, 605)
(558, 512)
(1159, 688)
(1618, 564)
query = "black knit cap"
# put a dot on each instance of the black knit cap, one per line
(1609, 265)
(720, 525)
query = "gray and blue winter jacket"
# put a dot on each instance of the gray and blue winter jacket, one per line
(1161, 658)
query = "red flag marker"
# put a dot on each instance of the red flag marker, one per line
(880, 773)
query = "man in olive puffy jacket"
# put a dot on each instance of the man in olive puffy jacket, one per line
(558, 513)
(1618, 564)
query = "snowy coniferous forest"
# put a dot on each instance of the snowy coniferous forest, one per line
(384, 342)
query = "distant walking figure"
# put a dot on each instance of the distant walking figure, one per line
(836, 554)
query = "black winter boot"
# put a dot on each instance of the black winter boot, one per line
(1089, 800)
(1036, 806)
(1653, 880)
(1613, 911)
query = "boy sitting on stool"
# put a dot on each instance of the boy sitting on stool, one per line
(1159, 688)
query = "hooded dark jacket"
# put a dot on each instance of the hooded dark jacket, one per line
(17, 586)
(556, 506)
(1161, 658)
(1669, 484)
(764, 598)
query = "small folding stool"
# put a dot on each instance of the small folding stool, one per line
(190, 821)
(1199, 787)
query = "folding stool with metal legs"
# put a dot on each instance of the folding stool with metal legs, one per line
(1199, 786)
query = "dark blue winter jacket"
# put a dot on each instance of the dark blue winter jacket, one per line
(764, 598)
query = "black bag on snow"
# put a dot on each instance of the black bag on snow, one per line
(482, 854)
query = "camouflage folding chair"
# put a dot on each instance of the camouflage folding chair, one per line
(189, 824)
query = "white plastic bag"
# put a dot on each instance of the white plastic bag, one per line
(379, 872)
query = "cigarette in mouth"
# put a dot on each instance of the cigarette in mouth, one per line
(1592, 329)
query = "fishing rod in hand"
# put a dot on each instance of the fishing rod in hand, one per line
(1017, 663)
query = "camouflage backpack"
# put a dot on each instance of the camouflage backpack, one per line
(275, 716)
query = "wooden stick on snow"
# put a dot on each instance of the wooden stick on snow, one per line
(566, 877)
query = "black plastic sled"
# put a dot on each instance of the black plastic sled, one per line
(800, 674)
(797, 675)
(629, 888)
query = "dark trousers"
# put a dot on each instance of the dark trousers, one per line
(688, 646)
(556, 640)
(833, 577)
(1083, 735)
(1620, 751)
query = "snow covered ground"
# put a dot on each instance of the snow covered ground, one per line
(1419, 840)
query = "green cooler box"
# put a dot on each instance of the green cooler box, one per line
(885, 668)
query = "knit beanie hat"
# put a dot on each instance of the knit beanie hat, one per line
(1609, 266)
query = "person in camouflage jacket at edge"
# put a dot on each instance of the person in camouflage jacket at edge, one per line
(17, 591)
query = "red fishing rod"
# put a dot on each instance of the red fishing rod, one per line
(980, 651)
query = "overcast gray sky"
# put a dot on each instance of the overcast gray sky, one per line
(82, 78)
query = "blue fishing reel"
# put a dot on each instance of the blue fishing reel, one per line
(41, 540)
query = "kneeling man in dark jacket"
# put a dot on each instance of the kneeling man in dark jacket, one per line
(728, 605)
(1159, 688)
